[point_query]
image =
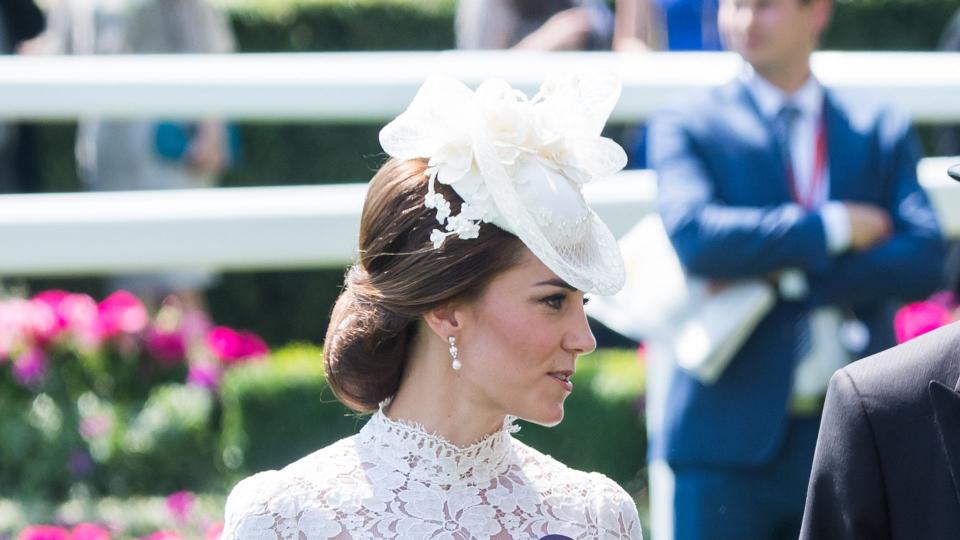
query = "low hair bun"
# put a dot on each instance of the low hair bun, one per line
(365, 348)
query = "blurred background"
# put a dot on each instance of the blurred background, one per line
(135, 411)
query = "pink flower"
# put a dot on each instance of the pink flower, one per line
(169, 348)
(96, 425)
(44, 532)
(195, 324)
(121, 313)
(30, 367)
(163, 535)
(179, 504)
(53, 299)
(40, 322)
(13, 314)
(90, 531)
(214, 530)
(204, 375)
(916, 319)
(81, 315)
(231, 346)
(55, 312)
(947, 299)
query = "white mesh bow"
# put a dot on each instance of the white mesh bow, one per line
(520, 164)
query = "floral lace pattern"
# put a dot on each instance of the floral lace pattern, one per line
(394, 480)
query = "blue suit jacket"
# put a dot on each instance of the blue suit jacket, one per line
(725, 202)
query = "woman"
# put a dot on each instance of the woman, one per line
(464, 311)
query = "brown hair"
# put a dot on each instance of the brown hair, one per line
(399, 277)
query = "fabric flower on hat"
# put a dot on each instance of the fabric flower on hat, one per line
(519, 163)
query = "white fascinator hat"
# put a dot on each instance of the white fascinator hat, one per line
(520, 163)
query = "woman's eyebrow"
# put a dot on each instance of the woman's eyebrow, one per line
(557, 283)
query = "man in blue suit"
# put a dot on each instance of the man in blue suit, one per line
(773, 176)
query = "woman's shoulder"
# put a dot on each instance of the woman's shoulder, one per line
(277, 495)
(604, 497)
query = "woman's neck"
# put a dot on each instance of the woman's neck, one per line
(436, 397)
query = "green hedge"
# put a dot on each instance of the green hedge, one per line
(291, 306)
(330, 25)
(270, 414)
(275, 413)
(167, 444)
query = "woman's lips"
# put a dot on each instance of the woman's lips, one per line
(563, 377)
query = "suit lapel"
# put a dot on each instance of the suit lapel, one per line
(946, 409)
(839, 143)
(774, 179)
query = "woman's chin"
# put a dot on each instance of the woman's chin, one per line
(546, 418)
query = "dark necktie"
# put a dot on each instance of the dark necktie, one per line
(783, 131)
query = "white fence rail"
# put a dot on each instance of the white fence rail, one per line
(376, 86)
(258, 228)
(315, 226)
(226, 228)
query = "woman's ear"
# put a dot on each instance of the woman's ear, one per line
(443, 320)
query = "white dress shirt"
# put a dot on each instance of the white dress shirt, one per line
(826, 353)
(803, 148)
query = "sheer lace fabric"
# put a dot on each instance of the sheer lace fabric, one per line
(394, 480)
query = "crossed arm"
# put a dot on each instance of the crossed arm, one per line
(724, 242)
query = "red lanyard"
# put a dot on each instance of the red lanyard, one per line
(809, 199)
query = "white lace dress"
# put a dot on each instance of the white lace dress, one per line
(394, 480)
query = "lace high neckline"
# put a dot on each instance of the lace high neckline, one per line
(427, 457)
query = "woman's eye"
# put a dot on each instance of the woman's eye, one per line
(555, 301)
(586, 300)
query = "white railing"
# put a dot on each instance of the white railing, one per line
(376, 86)
(225, 228)
(256, 228)
(315, 226)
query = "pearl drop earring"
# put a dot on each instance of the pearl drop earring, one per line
(455, 364)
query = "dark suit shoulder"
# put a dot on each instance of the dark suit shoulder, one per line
(702, 114)
(900, 376)
(867, 115)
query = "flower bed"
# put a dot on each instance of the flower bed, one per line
(103, 397)
(107, 404)
(181, 515)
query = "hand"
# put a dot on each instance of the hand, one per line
(566, 30)
(631, 45)
(869, 225)
(207, 153)
(716, 286)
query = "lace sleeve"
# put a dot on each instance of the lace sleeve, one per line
(271, 505)
(616, 511)
(246, 503)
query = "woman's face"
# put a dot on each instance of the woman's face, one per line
(520, 341)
